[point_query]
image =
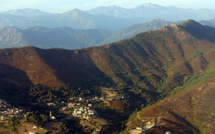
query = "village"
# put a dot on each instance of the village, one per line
(78, 107)
(83, 108)
(74, 107)
(8, 111)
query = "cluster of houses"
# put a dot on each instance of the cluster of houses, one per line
(139, 130)
(89, 99)
(11, 111)
(4, 104)
(85, 112)
(79, 109)
(7, 111)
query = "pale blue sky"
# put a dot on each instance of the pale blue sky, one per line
(60, 6)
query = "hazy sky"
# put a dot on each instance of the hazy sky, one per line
(60, 6)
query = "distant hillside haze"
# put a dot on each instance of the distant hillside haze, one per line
(26, 12)
(150, 11)
(76, 19)
(67, 38)
(208, 22)
(51, 38)
(108, 18)
(136, 29)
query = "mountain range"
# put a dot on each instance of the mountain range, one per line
(173, 64)
(146, 58)
(28, 12)
(108, 18)
(150, 11)
(176, 59)
(67, 38)
(64, 37)
(73, 19)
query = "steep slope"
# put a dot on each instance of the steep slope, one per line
(145, 59)
(145, 68)
(136, 29)
(189, 111)
(27, 60)
(11, 37)
(53, 67)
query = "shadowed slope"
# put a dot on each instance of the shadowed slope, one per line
(74, 67)
(27, 60)
(145, 59)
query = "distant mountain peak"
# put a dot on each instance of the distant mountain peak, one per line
(157, 19)
(10, 28)
(186, 24)
(150, 5)
(27, 12)
(190, 22)
(114, 6)
(76, 11)
(108, 7)
(37, 28)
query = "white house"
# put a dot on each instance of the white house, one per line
(71, 105)
(50, 104)
(35, 127)
(80, 99)
(3, 118)
(79, 112)
(31, 133)
(91, 112)
(139, 128)
(64, 108)
(53, 118)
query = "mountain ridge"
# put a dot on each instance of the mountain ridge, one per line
(74, 19)
(68, 38)
(173, 60)
(156, 11)
(123, 52)
(27, 12)
(109, 18)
